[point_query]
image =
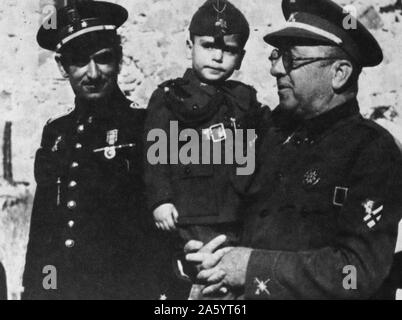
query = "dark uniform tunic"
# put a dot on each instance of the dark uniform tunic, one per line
(3, 283)
(205, 195)
(87, 219)
(326, 199)
(202, 193)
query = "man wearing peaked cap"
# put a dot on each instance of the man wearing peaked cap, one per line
(325, 22)
(322, 211)
(81, 18)
(88, 226)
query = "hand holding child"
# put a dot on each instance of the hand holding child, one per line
(166, 217)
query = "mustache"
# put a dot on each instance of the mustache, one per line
(93, 82)
(283, 84)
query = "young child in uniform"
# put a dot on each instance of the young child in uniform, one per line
(199, 201)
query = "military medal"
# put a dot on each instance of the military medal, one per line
(110, 153)
(111, 138)
(311, 178)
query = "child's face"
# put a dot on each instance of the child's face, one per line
(216, 59)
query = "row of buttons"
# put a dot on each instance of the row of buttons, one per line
(71, 205)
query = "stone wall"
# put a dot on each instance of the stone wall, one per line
(32, 90)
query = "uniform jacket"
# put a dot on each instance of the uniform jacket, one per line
(324, 203)
(3, 283)
(202, 193)
(87, 218)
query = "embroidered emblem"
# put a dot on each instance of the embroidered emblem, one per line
(55, 148)
(373, 211)
(311, 178)
(262, 287)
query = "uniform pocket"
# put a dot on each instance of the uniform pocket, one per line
(194, 190)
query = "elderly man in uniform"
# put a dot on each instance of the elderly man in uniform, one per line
(323, 209)
(87, 231)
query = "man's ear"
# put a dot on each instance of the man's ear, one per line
(189, 46)
(240, 61)
(62, 70)
(342, 71)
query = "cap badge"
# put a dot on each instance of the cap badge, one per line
(292, 17)
(220, 22)
(73, 15)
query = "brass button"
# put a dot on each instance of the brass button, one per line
(71, 205)
(78, 146)
(80, 128)
(71, 224)
(72, 184)
(74, 165)
(70, 243)
(195, 107)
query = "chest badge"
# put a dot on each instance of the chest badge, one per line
(311, 177)
(55, 148)
(216, 133)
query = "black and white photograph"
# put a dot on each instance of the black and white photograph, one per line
(201, 150)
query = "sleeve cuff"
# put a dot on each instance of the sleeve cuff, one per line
(261, 282)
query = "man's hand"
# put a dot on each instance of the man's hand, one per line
(166, 217)
(229, 272)
(206, 256)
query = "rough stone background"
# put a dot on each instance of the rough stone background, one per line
(32, 91)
